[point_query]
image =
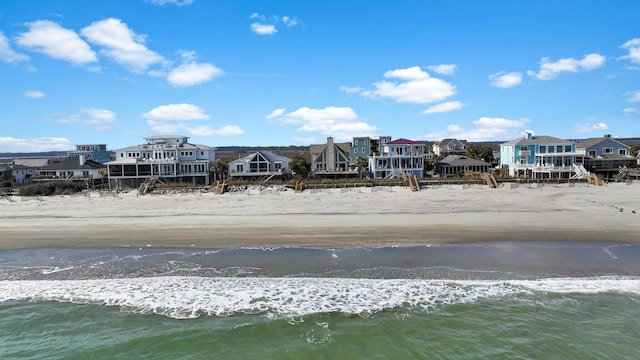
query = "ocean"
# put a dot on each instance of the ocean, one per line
(504, 300)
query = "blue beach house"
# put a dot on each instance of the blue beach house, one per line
(541, 157)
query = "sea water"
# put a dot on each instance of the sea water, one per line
(503, 300)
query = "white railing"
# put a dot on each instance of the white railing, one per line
(544, 168)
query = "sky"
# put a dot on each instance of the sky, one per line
(279, 73)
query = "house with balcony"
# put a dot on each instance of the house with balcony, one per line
(261, 165)
(73, 168)
(17, 174)
(95, 152)
(541, 157)
(449, 147)
(170, 158)
(398, 157)
(605, 155)
(365, 146)
(332, 160)
(455, 165)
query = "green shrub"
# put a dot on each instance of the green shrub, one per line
(52, 188)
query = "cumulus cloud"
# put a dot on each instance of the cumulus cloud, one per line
(267, 25)
(7, 54)
(34, 94)
(263, 29)
(121, 44)
(443, 69)
(53, 40)
(191, 73)
(587, 128)
(175, 118)
(504, 79)
(630, 111)
(634, 96)
(549, 70)
(486, 129)
(340, 122)
(97, 119)
(444, 107)
(173, 2)
(412, 85)
(633, 46)
(9, 144)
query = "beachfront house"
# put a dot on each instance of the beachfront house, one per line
(364, 146)
(169, 158)
(17, 174)
(332, 160)
(541, 157)
(400, 156)
(449, 147)
(261, 165)
(457, 165)
(95, 152)
(605, 155)
(73, 168)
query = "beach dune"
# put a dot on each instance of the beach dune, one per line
(332, 218)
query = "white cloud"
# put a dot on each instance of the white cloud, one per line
(256, 15)
(351, 90)
(549, 70)
(486, 129)
(340, 122)
(176, 118)
(176, 112)
(9, 144)
(263, 29)
(415, 87)
(34, 94)
(7, 54)
(504, 79)
(633, 46)
(586, 128)
(175, 2)
(443, 69)
(630, 111)
(192, 74)
(289, 21)
(121, 44)
(98, 119)
(51, 39)
(444, 107)
(634, 96)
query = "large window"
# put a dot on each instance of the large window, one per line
(543, 149)
(622, 151)
(607, 150)
(567, 148)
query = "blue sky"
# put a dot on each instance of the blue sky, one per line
(262, 73)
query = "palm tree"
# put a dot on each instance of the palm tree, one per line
(362, 164)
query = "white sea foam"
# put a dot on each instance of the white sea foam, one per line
(190, 297)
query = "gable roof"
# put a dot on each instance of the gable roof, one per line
(537, 140)
(587, 143)
(269, 156)
(403, 141)
(73, 163)
(461, 160)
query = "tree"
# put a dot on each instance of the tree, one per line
(484, 153)
(300, 167)
(362, 164)
(220, 169)
(634, 150)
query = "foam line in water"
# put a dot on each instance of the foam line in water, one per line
(190, 297)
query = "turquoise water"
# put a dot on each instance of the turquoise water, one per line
(544, 301)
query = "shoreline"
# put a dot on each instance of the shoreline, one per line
(334, 220)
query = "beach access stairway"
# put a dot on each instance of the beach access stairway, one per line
(148, 184)
(220, 187)
(579, 172)
(414, 184)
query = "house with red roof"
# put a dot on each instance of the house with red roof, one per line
(401, 156)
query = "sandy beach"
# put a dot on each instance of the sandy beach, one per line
(331, 218)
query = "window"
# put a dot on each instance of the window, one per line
(622, 151)
(355, 150)
(567, 148)
(355, 141)
(363, 150)
(278, 166)
(607, 150)
(543, 149)
(591, 153)
(559, 148)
